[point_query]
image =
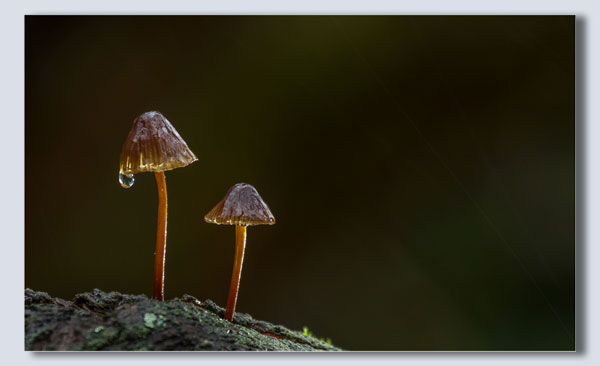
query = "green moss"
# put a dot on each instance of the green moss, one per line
(113, 321)
(307, 332)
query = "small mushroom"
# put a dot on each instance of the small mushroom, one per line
(153, 145)
(242, 207)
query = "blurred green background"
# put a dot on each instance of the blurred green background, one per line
(421, 169)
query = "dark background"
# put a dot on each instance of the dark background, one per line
(421, 170)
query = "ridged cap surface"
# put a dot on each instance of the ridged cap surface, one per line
(242, 205)
(153, 145)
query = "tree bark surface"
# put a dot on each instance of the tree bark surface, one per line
(113, 321)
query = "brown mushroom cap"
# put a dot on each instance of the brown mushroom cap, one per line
(153, 145)
(242, 206)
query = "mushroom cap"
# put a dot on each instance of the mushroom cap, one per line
(242, 205)
(153, 145)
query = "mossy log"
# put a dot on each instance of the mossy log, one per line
(97, 320)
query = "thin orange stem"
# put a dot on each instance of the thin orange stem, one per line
(161, 238)
(240, 246)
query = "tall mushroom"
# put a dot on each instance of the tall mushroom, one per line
(242, 207)
(153, 145)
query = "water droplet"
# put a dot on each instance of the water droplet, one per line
(126, 180)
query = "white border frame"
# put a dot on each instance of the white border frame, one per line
(12, 150)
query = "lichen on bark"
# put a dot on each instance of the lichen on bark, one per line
(97, 320)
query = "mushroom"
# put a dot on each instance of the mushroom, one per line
(153, 145)
(242, 207)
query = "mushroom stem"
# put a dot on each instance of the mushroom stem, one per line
(161, 238)
(240, 246)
